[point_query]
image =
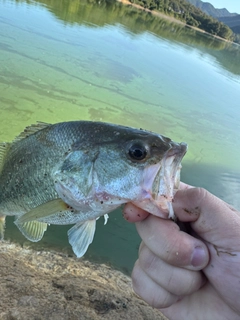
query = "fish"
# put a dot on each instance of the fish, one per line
(77, 171)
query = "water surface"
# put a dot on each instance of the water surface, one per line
(70, 60)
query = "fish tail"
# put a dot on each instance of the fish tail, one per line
(2, 226)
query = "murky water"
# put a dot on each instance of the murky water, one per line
(66, 60)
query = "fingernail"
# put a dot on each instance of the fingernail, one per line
(198, 257)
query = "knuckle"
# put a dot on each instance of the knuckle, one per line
(179, 254)
(147, 260)
(142, 245)
(198, 195)
(136, 277)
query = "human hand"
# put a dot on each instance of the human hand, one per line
(195, 275)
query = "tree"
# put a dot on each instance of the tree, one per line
(225, 31)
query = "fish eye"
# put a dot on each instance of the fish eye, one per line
(137, 152)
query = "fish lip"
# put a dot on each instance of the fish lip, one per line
(167, 178)
(178, 151)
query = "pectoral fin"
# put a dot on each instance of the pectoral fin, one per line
(44, 210)
(81, 235)
(75, 175)
(32, 230)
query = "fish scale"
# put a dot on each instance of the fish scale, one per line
(77, 171)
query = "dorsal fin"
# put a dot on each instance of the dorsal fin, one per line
(4, 147)
(31, 130)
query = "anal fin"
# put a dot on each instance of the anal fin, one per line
(81, 235)
(32, 230)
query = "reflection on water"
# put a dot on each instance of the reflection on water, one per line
(221, 181)
(113, 70)
(110, 62)
(66, 60)
(230, 188)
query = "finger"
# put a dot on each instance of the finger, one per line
(184, 186)
(212, 218)
(178, 281)
(164, 238)
(134, 214)
(204, 304)
(149, 291)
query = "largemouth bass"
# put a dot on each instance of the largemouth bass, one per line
(75, 172)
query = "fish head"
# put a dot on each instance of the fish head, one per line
(121, 165)
(151, 171)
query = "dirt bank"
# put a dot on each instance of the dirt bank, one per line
(46, 285)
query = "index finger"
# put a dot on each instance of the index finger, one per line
(134, 214)
(184, 186)
(165, 239)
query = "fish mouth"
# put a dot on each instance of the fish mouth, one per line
(167, 179)
(160, 182)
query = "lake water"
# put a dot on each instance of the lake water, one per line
(93, 60)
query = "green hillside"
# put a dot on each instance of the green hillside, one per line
(189, 14)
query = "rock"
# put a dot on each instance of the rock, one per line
(46, 285)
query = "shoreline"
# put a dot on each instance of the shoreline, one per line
(171, 19)
(49, 285)
(153, 12)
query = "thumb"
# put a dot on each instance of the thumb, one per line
(211, 218)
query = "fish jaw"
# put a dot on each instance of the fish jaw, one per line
(160, 182)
